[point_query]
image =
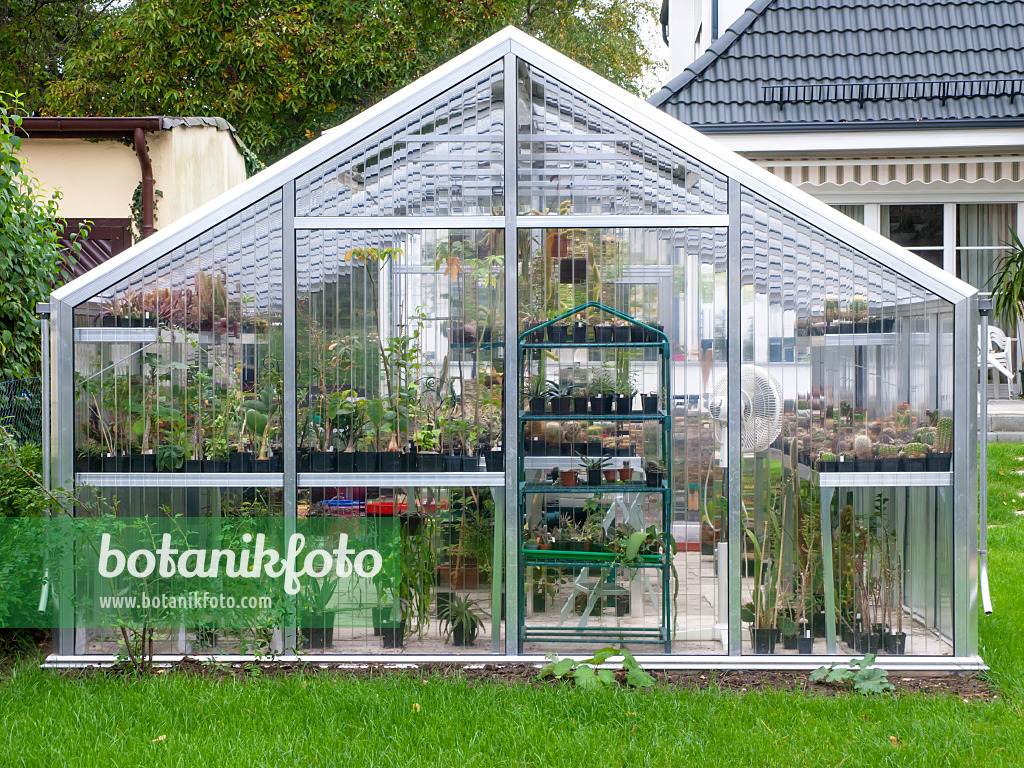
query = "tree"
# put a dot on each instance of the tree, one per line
(36, 36)
(283, 70)
(30, 255)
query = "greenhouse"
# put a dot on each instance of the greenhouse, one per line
(557, 372)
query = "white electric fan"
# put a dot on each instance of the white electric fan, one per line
(761, 417)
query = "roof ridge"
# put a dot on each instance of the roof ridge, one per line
(712, 54)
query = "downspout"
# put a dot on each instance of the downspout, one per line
(147, 182)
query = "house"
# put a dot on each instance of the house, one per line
(129, 176)
(905, 116)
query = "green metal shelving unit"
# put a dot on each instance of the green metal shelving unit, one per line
(605, 562)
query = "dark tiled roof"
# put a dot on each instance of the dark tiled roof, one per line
(857, 61)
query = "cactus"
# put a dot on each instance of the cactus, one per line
(887, 451)
(573, 432)
(862, 447)
(925, 435)
(915, 450)
(944, 435)
(552, 433)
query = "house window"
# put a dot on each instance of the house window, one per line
(916, 227)
(982, 232)
(855, 212)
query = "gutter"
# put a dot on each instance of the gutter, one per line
(858, 125)
(131, 129)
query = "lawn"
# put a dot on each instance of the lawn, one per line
(172, 720)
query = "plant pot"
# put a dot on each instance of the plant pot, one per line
(655, 479)
(789, 642)
(431, 462)
(558, 334)
(649, 403)
(393, 636)
(390, 461)
(578, 333)
(623, 405)
(113, 463)
(637, 334)
(763, 640)
(611, 475)
(464, 573)
(560, 405)
(469, 463)
(655, 337)
(194, 466)
(625, 474)
(621, 605)
(367, 461)
(537, 405)
(620, 334)
(534, 336)
(600, 405)
(818, 624)
(805, 645)
(846, 466)
(317, 630)
(895, 643)
(539, 602)
(866, 465)
(345, 461)
(210, 466)
(938, 462)
(887, 465)
(240, 461)
(460, 637)
(579, 404)
(569, 478)
(146, 462)
(321, 461)
(265, 465)
(593, 449)
(573, 270)
(826, 466)
(603, 333)
(593, 477)
(495, 461)
(913, 464)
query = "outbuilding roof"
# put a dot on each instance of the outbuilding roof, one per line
(814, 62)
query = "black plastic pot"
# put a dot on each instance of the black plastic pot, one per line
(655, 337)
(789, 642)
(579, 333)
(601, 405)
(321, 461)
(938, 462)
(112, 463)
(345, 461)
(826, 466)
(240, 462)
(390, 461)
(537, 405)
(913, 464)
(534, 336)
(430, 462)
(623, 405)
(655, 479)
(146, 462)
(593, 449)
(649, 403)
(594, 477)
(846, 466)
(637, 334)
(895, 643)
(452, 463)
(470, 464)
(317, 631)
(603, 334)
(558, 334)
(272, 464)
(392, 636)
(887, 465)
(579, 404)
(620, 334)
(560, 405)
(209, 465)
(572, 270)
(866, 465)
(206, 636)
(367, 461)
(763, 640)
(495, 461)
(622, 605)
(805, 645)
(194, 465)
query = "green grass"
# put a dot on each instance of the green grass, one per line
(309, 721)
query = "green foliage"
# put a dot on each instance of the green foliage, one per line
(282, 72)
(860, 674)
(30, 259)
(1007, 285)
(590, 676)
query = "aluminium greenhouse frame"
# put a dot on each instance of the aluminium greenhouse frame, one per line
(511, 46)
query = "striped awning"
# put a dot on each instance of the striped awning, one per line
(886, 171)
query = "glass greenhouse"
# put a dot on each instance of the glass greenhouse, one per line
(565, 372)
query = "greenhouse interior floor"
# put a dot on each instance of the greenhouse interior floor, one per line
(696, 631)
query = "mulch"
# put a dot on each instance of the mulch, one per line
(969, 687)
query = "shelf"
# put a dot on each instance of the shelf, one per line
(595, 344)
(603, 488)
(527, 416)
(849, 340)
(562, 558)
(899, 479)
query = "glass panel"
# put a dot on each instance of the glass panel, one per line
(675, 279)
(855, 212)
(400, 348)
(913, 226)
(578, 157)
(179, 365)
(436, 592)
(444, 158)
(847, 367)
(982, 232)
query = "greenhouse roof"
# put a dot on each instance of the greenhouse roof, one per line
(626, 108)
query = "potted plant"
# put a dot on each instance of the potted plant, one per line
(914, 457)
(578, 332)
(888, 457)
(939, 460)
(460, 619)
(655, 473)
(845, 463)
(620, 331)
(625, 472)
(826, 461)
(559, 394)
(316, 619)
(558, 334)
(601, 389)
(536, 393)
(626, 391)
(603, 332)
(863, 452)
(427, 440)
(580, 399)
(594, 466)
(649, 403)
